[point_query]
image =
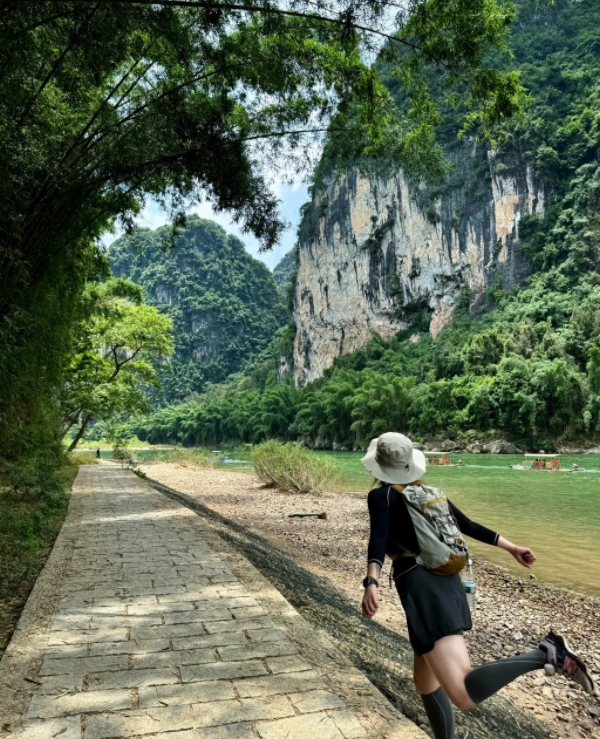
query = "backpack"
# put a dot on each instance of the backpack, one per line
(443, 550)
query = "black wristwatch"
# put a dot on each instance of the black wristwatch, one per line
(370, 581)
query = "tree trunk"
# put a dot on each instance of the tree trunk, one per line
(84, 424)
(69, 426)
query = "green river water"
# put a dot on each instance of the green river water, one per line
(556, 514)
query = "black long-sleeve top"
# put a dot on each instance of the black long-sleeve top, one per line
(394, 522)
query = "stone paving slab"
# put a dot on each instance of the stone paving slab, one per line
(161, 631)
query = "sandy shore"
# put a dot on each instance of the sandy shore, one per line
(511, 617)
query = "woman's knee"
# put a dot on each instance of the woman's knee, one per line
(459, 697)
(425, 681)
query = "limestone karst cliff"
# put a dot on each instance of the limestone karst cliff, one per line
(373, 250)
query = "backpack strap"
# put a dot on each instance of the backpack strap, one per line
(405, 552)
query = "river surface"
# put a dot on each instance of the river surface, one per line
(556, 514)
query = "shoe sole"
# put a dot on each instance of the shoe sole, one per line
(579, 664)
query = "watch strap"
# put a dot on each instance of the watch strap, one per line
(369, 581)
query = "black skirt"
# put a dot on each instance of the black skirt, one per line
(435, 606)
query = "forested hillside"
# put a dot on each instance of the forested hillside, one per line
(526, 364)
(286, 270)
(224, 304)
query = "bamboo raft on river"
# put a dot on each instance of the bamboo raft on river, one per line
(442, 460)
(545, 463)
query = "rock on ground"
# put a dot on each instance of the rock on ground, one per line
(501, 447)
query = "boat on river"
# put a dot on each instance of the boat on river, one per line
(544, 463)
(441, 459)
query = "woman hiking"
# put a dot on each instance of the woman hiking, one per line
(421, 531)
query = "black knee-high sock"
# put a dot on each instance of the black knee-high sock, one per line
(440, 714)
(488, 679)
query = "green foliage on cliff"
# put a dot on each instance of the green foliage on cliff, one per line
(103, 104)
(528, 367)
(285, 271)
(530, 371)
(224, 304)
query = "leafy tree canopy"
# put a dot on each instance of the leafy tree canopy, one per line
(105, 102)
(117, 348)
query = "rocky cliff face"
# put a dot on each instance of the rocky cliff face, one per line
(374, 250)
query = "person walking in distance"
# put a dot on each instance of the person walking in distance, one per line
(421, 531)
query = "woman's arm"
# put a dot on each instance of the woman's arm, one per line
(379, 516)
(370, 601)
(523, 555)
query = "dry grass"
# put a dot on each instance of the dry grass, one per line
(196, 457)
(292, 468)
(83, 458)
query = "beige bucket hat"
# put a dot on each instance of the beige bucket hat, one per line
(392, 458)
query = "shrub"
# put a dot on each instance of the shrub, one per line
(83, 458)
(33, 504)
(39, 478)
(196, 457)
(122, 453)
(292, 469)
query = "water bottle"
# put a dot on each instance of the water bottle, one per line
(468, 581)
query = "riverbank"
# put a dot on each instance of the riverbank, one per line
(511, 617)
(491, 444)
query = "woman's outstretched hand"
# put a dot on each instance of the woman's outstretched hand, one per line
(524, 556)
(370, 601)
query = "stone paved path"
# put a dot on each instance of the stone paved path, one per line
(162, 630)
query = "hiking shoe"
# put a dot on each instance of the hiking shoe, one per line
(562, 660)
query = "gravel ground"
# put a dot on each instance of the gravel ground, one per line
(511, 616)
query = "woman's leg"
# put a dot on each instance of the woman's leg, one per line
(450, 663)
(425, 681)
(437, 705)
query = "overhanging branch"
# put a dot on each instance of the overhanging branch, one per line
(247, 8)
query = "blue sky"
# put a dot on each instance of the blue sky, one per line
(292, 197)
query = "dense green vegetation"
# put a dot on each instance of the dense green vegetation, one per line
(527, 379)
(286, 270)
(115, 354)
(528, 366)
(104, 104)
(224, 304)
(33, 505)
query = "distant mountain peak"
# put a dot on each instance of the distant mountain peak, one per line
(224, 303)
